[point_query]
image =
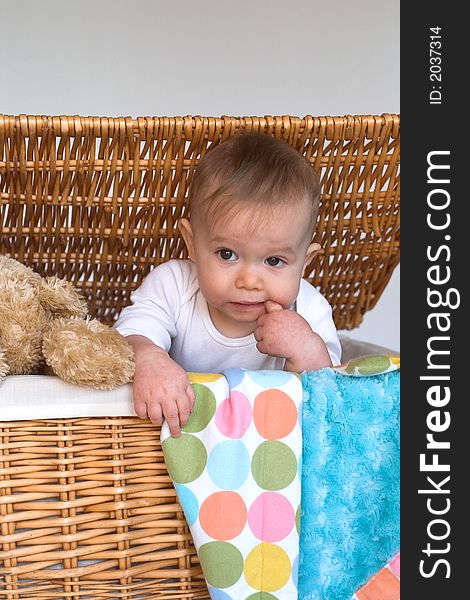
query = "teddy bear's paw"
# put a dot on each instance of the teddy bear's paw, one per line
(4, 369)
(88, 353)
(61, 298)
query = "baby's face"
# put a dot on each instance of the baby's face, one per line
(242, 264)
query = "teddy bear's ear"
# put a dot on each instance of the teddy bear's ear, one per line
(61, 298)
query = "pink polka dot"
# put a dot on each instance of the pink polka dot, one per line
(271, 517)
(233, 417)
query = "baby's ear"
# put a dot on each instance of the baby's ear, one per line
(313, 250)
(187, 233)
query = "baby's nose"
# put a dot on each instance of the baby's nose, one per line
(249, 278)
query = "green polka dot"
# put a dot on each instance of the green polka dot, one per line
(262, 596)
(274, 465)
(203, 411)
(221, 562)
(185, 457)
(297, 519)
(369, 365)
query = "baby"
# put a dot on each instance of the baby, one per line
(240, 300)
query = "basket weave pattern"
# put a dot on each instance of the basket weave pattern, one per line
(87, 510)
(97, 200)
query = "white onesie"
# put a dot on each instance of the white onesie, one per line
(169, 309)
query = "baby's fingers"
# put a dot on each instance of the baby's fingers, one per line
(184, 409)
(140, 407)
(154, 411)
(185, 405)
(262, 347)
(272, 306)
(258, 333)
(191, 396)
(173, 419)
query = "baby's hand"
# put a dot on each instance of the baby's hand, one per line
(286, 334)
(161, 389)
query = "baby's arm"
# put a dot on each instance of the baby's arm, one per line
(161, 387)
(286, 334)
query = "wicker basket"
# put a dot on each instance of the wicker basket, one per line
(87, 509)
(97, 200)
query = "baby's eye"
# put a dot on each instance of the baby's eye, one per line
(274, 261)
(226, 254)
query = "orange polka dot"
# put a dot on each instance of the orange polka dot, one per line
(223, 515)
(274, 414)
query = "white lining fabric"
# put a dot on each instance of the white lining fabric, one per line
(26, 397)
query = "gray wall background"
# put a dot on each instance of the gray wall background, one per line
(208, 57)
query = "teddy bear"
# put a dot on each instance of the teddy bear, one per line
(45, 327)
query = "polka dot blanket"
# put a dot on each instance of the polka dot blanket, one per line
(237, 470)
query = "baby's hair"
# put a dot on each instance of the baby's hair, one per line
(252, 169)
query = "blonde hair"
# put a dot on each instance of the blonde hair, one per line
(252, 170)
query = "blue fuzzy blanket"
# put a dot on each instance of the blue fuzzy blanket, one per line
(350, 481)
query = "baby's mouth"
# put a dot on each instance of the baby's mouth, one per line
(247, 305)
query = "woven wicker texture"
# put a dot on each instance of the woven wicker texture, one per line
(87, 510)
(97, 200)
